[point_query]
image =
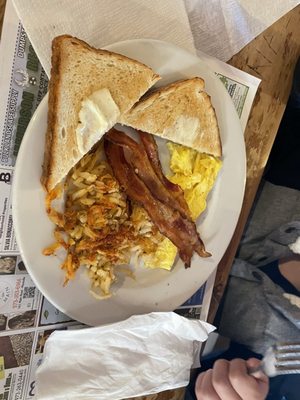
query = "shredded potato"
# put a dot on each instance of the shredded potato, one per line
(99, 227)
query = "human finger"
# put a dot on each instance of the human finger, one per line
(244, 384)
(221, 382)
(204, 387)
(253, 363)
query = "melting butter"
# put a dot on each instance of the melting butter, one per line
(97, 115)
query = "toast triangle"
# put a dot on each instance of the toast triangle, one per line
(79, 70)
(181, 112)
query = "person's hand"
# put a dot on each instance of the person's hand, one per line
(229, 380)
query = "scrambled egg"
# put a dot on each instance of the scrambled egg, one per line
(163, 257)
(195, 173)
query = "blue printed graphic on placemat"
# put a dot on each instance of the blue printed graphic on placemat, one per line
(196, 299)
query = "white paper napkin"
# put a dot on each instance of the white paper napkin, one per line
(143, 355)
(221, 28)
(102, 22)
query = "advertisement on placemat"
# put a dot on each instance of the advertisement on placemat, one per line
(8, 243)
(28, 84)
(192, 308)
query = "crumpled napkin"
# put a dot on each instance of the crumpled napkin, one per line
(102, 22)
(144, 354)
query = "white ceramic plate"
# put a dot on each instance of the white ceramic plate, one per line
(153, 290)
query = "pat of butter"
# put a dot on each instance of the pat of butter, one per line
(183, 126)
(97, 115)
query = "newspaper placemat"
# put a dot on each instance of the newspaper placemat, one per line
(26, 317)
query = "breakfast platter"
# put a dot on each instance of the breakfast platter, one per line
(157, 289)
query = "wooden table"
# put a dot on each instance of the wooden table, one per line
(271, 57)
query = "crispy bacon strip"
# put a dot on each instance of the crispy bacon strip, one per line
(180, 231)
(138, 159)
(151, 149)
